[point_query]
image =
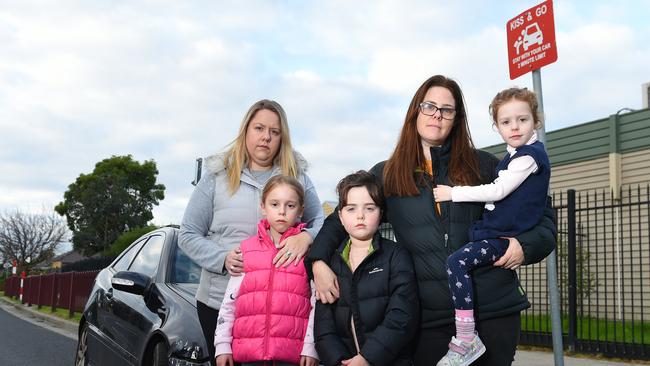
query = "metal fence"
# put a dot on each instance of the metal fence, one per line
(603, 258)
(604, 275)
(69, 290)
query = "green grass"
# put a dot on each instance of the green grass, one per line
(593, 329)
(59, 313)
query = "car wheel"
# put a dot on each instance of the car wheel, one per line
(159, 357)
(81, 358)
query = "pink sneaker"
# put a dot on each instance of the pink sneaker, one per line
(462, 353)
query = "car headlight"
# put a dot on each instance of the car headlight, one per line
(173, 361)
(186, 354)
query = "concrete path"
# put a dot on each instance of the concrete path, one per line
(536, 358)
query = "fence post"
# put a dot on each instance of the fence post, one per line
(54, 291)
(38, 293)
(70, 304)
(571, 252)
(23, 276)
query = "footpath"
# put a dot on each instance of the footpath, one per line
(540, 358)
(69, 329)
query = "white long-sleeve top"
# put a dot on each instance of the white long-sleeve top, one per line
(223, 332)
(507, 181)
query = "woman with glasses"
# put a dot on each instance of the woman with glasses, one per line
(435, 147)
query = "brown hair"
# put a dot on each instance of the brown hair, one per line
(236, 157)
(408, 156)
(279, 180)
(520, 94)
(360, 179)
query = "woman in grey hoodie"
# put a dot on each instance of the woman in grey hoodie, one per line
(225, 206)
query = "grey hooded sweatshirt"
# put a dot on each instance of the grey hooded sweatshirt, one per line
(216, 222)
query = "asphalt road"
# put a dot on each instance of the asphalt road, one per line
(23, 343)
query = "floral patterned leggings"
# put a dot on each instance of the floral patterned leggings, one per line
(470, 256)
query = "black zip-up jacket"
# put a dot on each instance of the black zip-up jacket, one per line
(431, 238)
(381, 297)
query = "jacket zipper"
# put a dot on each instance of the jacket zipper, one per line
(268, 313)
(354, 335)
(354, 273)
(437, 207)
(438, 210)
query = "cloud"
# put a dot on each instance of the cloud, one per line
(170, 81)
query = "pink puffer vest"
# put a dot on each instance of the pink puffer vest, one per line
(272, 306)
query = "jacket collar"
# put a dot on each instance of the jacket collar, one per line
(263, 234)
(376, 243)
(247, 176)
(512, 151)
(441, 153)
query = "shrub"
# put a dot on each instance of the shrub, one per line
(90, 264)
(124, 240)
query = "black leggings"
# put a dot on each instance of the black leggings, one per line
(469, 257)
(500, 336)
(208, 319)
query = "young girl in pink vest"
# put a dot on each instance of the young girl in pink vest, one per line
(267, 315)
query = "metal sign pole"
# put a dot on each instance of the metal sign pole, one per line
(551, 261)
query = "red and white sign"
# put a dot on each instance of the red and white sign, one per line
(531, 40)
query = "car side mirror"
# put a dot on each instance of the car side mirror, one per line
(131, 282)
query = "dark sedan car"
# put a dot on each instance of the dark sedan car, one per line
(142, 310)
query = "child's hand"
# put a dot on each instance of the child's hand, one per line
(225, 360)
(308, 361)
(357, 360)
(442, 193)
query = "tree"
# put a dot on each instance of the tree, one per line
(116, 197)
(30, 238)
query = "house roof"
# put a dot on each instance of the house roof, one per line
(68, 257)
(329, 207)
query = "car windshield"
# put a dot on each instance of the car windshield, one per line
(184, 270)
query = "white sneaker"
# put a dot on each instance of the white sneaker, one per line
(462, 353)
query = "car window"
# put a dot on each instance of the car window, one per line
(184, 270)
(146, 261)
(123, 263)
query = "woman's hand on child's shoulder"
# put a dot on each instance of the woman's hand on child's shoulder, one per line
(234, 262)
(308, 361)
(292, 249)
(225, 360)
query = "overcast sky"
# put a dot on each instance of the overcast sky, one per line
(81, 81)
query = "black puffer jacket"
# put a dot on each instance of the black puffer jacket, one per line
(430, 239)
(381, 297)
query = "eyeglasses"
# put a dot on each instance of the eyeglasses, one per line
(429, 109)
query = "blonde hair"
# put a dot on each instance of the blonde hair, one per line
(280, 180)
(236, 156)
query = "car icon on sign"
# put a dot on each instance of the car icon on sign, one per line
(532, 35)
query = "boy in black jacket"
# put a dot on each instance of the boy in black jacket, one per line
(375, 319)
